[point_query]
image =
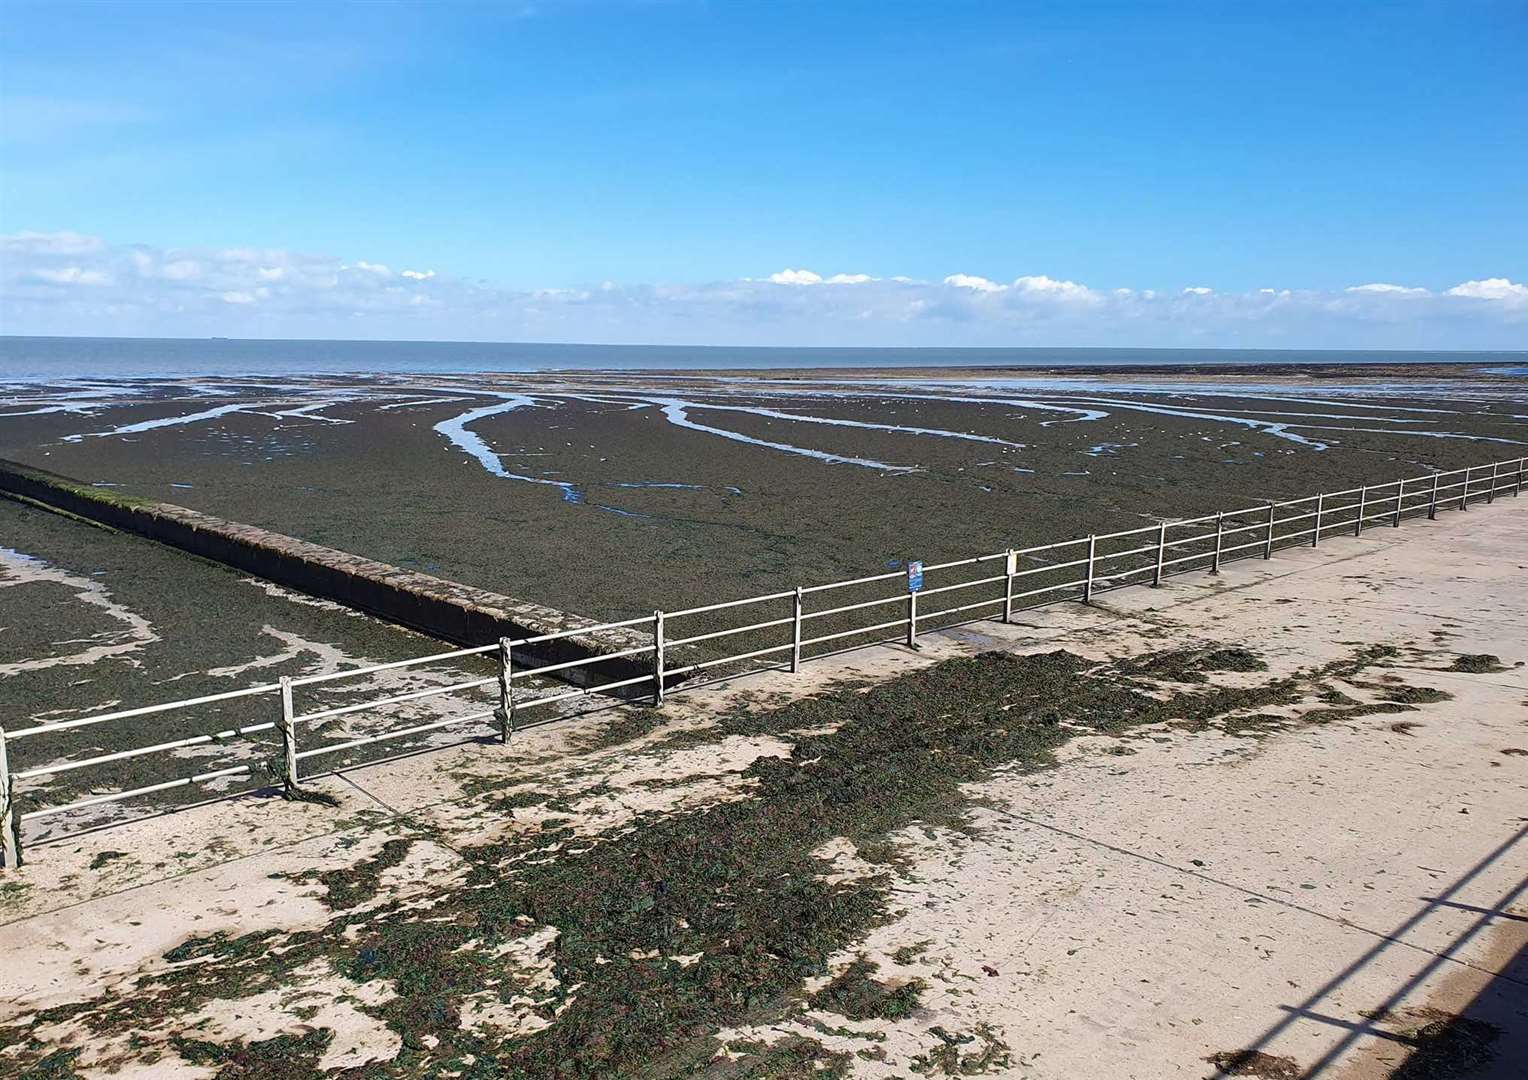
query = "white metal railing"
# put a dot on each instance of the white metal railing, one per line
(1149, 554)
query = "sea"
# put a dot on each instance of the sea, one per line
(33, 359)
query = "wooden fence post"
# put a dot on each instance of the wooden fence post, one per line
(1363, 501)
(1315, 536)
(1156, 577)
(1400, 493)
(1011, 567)
(1087, 585)
(1268, 541)
(1432, 500)
(1220, 532)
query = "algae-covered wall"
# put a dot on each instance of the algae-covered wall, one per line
(444, 609)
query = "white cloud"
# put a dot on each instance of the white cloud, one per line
(1384, 288)
(1047, 286)
(973, 281)
(70, 275)
(59, 243)
(148, 291)
(1198, 290)
(1496, 288)
(181, 270)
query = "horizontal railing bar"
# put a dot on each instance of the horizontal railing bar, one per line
(1049, 567)
(1105, 556)
(897, 598)
(585, 661)
(122, 755)
(962, 585)
(418, 729)
(850, 633)
(997, 600)
(853, 581)
(929, 568)
(124, 714)
(730, 659)
(578, 631)
(583, 691)
(314, 680)
(396, 699)
(725, 633)
(118, 796)
(1051, 588)
(729, 604)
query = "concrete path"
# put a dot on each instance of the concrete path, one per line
(1309, 900)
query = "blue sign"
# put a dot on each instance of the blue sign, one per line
(914, 576)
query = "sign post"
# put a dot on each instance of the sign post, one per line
(914, 583)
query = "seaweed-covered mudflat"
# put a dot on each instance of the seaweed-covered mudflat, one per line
(612, 494)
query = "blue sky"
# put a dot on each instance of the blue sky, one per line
(520, 149)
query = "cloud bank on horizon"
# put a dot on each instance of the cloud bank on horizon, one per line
(78, 284)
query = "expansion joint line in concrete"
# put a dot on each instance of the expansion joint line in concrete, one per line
(1347, 923)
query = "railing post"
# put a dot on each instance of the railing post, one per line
(1491, 494)
(1363, 500)
(1400, 493)
(1268, 540)
(10, 821)
(506, 710)
(657, 658)
(1220, 531)
(1012, 566)
(912, 619)
(1315, 536)
(1464, 495)
(288, 736)
(1517, 488)
(796, 634)
(1156, 577)
(1087, 586)
(1432, 500)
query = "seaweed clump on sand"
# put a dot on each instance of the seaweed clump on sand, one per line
(1477, 664)
(853, 993)
(1191, 665)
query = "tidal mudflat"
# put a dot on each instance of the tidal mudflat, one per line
(612, 494)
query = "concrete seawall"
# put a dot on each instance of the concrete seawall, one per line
(445, 609)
